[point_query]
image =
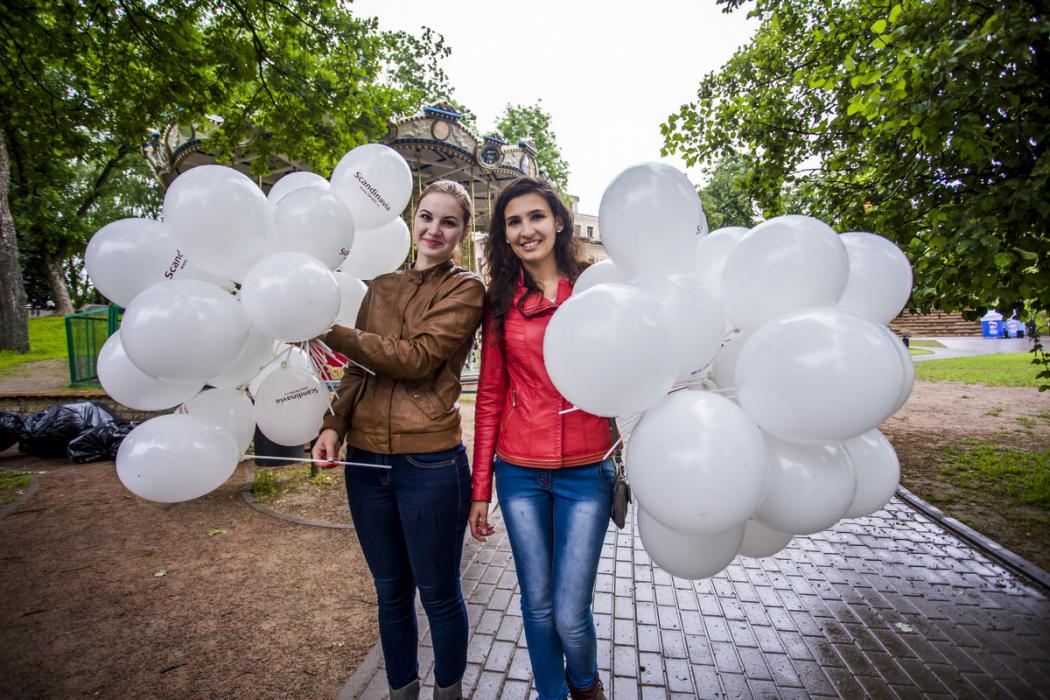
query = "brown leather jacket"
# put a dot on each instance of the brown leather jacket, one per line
(414, 330)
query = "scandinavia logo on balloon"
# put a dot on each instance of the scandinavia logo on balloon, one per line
(758, 359)
(186, 326)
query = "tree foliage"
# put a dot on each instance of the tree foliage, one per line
(532, 123)
(725, 197)
(84, 81)
(922, 120)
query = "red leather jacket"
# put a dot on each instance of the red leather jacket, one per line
(518, 412)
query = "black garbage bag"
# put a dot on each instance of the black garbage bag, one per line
(11, 427)
(99, 443)
(48, 432)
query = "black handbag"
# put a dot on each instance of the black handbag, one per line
(621, 495)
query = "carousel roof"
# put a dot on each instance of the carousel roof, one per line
(436, 144)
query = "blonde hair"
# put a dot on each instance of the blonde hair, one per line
(457, 192)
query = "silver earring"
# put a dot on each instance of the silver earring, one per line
(558, 231)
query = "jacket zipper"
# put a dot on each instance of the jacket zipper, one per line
(513, 407)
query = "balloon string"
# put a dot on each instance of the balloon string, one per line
(328, 352)
(568, 410)
(319, 461)
(619, 441)
(318, 371)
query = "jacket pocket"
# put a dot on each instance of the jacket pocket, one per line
(427, 401)
(513, 408)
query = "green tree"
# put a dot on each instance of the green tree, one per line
(927, 120)
(84, 81)
(533, 124)
(725, 196)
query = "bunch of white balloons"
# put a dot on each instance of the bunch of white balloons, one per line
(298, 256)
(759, 360)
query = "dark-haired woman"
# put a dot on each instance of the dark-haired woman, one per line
(553, 483)
(414, 331)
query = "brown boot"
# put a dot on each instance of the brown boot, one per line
(595, 692)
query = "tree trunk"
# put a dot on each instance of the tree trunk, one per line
(56, 276)
(14, 322)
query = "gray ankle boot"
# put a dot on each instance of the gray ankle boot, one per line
(408, 692)
(453, 692)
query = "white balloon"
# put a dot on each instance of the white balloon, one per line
(819, 375)
(375, 182)
(762, 541)
(697, 319)
(688, 556)
(712, 251)
(723, 370)
(183, 331)
(878, 472)
(284, 355)
(351, 292)
(128, 256)
(697, 463)
(130, 386)
(257, 351)
(810, 487)
(782, 265)
(598, 273)
(295, 181)
(606, 350)
(290, 405)
(230, 409)
(651, 215)
(907, 366)
(378, 251)
(290, 296)
(221, 218)
(175, 458)
(313, 221)
(880, 277)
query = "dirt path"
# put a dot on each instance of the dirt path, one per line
(949, 414)
(105, 595)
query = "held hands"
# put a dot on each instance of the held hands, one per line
(326, 448)
(478, 521)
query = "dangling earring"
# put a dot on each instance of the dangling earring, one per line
(558, 230)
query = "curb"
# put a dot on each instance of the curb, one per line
(993, 549)
(246, 495)
(362, 675)
(30, 491)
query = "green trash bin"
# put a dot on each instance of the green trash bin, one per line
(86, 332)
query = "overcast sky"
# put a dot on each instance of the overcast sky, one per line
(609, 73)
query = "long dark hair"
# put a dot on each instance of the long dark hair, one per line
(504, 267)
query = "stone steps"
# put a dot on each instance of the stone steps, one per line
(934, 324)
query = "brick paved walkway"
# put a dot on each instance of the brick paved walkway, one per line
(886, 606)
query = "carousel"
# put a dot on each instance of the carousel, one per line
(436, 144)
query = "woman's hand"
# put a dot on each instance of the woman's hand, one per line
(326, 448)
(478, 521)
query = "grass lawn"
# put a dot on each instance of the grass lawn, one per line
(1015, 369)
(12, 485)
(919, 351)
(1014, 474)
(267, 484)
(47, 341)
(926, 344)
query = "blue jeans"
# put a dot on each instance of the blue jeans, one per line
(410, 521)
(556, 521)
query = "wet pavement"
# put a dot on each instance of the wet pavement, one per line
(888, 606)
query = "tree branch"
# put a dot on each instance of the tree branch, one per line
(101, 179)
(260, 49)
